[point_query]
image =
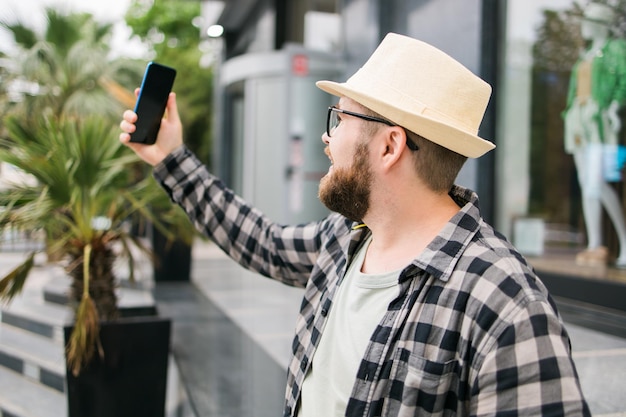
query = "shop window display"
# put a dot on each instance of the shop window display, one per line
(562, 109)
(597, 91)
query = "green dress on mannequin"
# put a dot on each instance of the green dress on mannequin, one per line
(592, 124)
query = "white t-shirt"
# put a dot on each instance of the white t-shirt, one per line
(359, 306)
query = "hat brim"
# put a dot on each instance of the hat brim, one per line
(595, 20)
(459, 141)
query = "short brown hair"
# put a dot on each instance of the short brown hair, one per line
(437, 166)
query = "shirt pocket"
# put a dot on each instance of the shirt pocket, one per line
(419, 386)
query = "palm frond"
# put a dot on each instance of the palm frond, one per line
(86, 334)
(64, 30)
(13, 282)
(84, 337)
(24, 36)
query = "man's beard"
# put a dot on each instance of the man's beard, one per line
(347, 190)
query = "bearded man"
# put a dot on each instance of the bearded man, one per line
(413, 305)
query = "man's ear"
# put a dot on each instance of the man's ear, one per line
(395, 145)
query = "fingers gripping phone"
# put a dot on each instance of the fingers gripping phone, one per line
(150, 106)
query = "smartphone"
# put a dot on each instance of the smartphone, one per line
(150, 106)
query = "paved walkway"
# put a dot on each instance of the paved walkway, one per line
(256, 349)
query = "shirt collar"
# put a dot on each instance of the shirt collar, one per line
(443, 253)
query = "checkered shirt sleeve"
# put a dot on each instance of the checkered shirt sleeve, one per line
(287, 253)
(472, 332)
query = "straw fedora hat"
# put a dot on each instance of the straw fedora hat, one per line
(422, 89)
(599, 13)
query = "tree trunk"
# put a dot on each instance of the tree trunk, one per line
(101, 282)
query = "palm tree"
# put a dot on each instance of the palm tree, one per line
(86, 196)
(67, 69)
(62, 131)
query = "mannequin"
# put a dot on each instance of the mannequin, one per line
(592, 124)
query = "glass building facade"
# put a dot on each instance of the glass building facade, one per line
(538, 187)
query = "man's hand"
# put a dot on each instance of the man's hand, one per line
(170, 134)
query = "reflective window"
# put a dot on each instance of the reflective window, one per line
(561, 129)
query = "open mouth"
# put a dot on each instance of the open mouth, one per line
(330, 157)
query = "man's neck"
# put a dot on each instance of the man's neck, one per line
(401, 232)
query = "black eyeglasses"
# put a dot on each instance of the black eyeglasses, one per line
(333, 120)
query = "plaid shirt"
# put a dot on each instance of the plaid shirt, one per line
(472, 332)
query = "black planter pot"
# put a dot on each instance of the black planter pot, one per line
(131, 380)
(172, 259)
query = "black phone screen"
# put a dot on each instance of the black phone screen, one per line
(150, 106)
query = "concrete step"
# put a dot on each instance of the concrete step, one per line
(22, 397)
(32, 357)
(31, 327)
(36, 357)
(37, 316)
(46, 312)
(31, 366)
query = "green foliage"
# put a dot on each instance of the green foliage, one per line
(13, 282)
(67, 30)
(22, 34)
(559, 41)
(87, 189)
(86, 194)
(83, 173)
(62, 70)
(62, 30)
(164, 24)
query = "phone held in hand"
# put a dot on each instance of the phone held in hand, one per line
(150, 106)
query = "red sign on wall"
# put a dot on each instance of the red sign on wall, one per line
(300, 65)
